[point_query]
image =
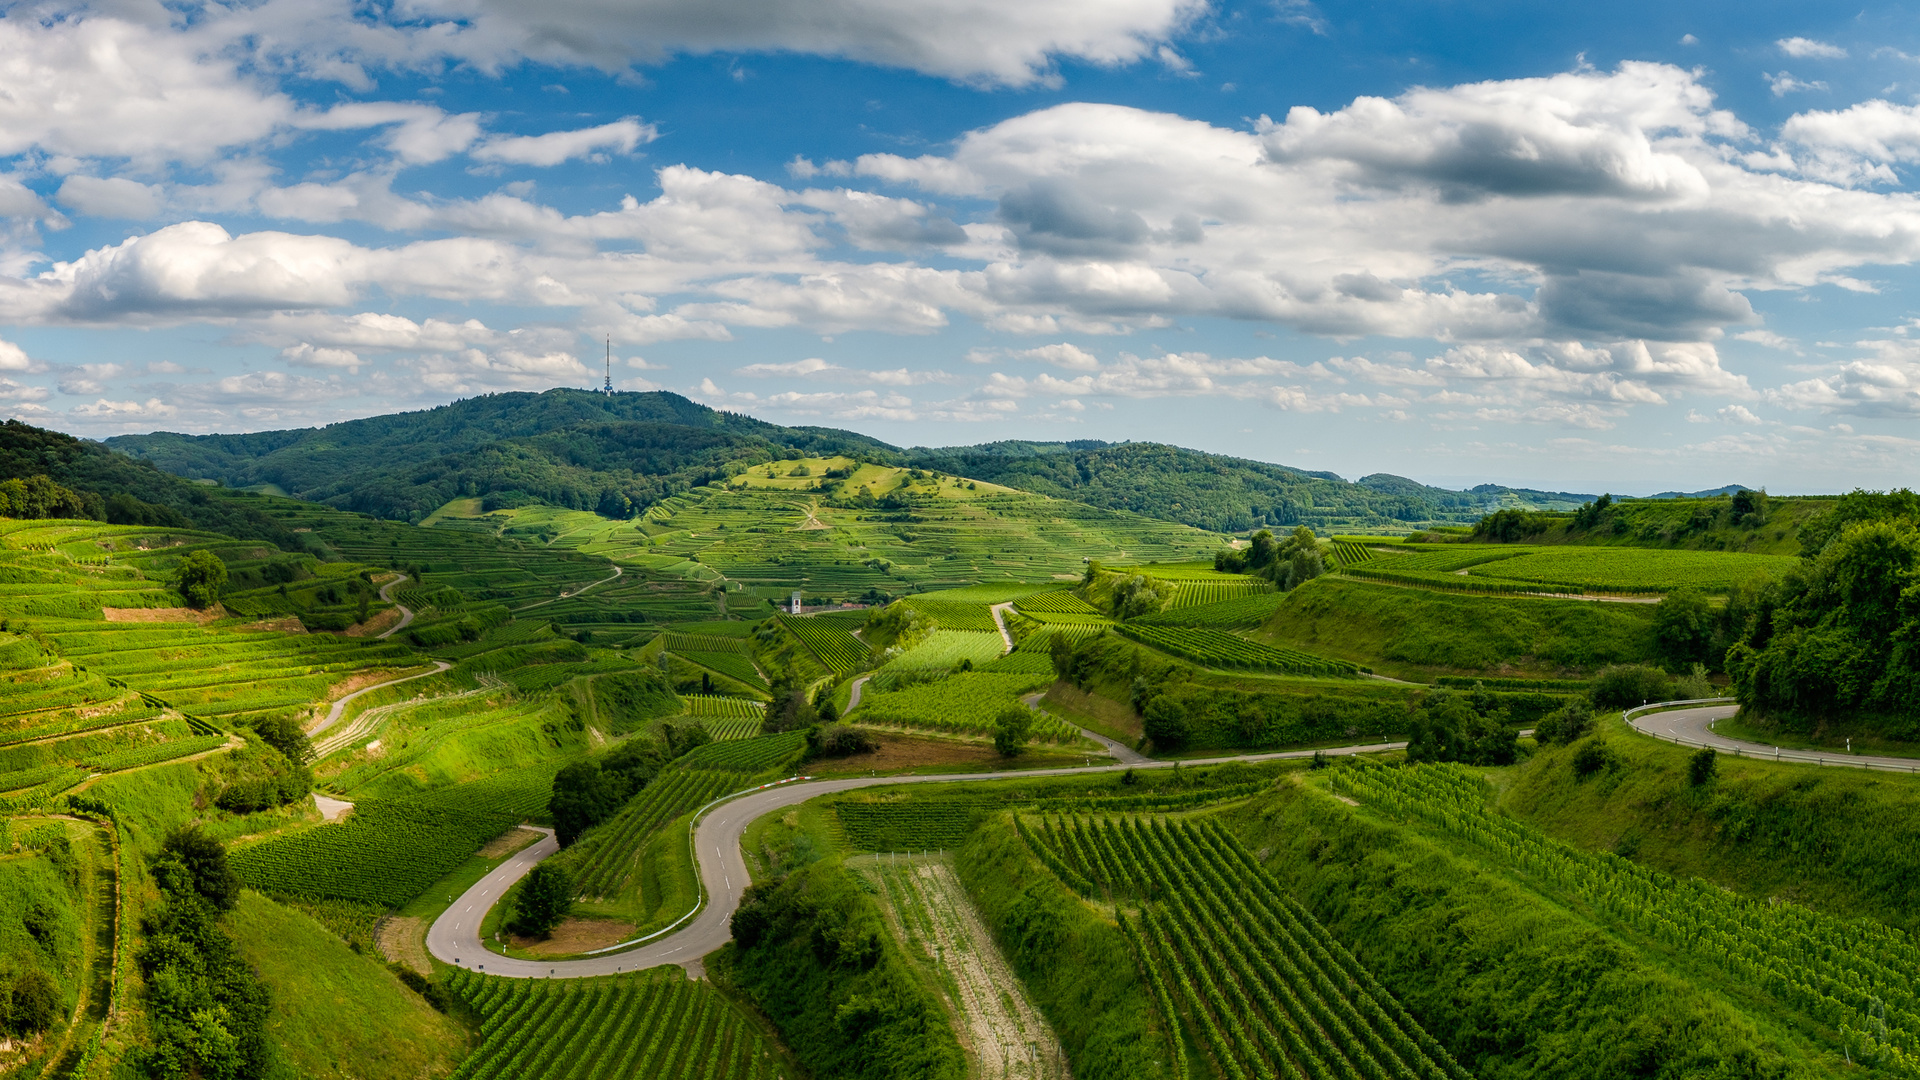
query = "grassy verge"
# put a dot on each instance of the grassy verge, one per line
(1834, 738)
(1101, 715)
(1842, 840)
(336, 1013)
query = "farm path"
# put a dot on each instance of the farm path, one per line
(234, 742)
(1695, 727)
(999, 620)
(454, 938)
(365, 722)
(853, 696)
(406, 613)
(1122, 753)
(340, 707)
(617, 571)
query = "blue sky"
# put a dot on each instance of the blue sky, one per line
(1629, 247)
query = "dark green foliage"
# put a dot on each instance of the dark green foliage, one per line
(29, 1002)
(1510, 526)
(584, 795)
(789, 710)
(1624, 686)
(1077, 967)
(285, 734)
(192, 861)
(1212, 491)
(1701, 766)
(544, 900)
(207, 1011)
(39, 497)
(838, 740)
(1471, 729)
(1514, 986)
(1592, 757)
(99, 476)
(1857, 507)
(1840, 639)
(813, 951)
(677, 739)
(1011, 730)
(199, 578)
(1569, 723)
(569, 448)
(1181, 712)
(1683, 628)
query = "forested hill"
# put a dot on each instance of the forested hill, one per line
(1224, 494)
(126, 492)
(621, 453)
(569, 448)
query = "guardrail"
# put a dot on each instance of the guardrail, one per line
(1835, 760)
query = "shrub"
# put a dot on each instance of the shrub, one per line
(1011, 729)
(838, 740)
(1592, 757)
(544, 900)
(1701, 766)
(1564, 726)
(1623, 686)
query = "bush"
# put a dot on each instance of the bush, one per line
(197, 862)
(30, 1004)
(1011, 730)
(1624, 686)
(1701, 767)
(1564, 726)
(838, 740)
(1592, 757)
(545, 899)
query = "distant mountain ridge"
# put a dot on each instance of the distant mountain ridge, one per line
(619, 454)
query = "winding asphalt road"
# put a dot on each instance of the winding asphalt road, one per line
(406, 613)
(1694, 727)
(454, 938)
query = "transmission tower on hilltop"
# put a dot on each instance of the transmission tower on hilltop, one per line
(608, 388)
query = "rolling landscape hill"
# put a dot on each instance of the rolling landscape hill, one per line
(486, 742)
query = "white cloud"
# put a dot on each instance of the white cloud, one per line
(15, 358)
(620, 137)
(1784, 83)
(1739, 414)
(1807, 47)
(109, 197)
(305, 355)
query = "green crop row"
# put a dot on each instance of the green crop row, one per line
(655, 1024)
(1202, 593)
(919, 825)
(1218, 649)
(966, 704)
(950, 616)
(383, 853)
(154, 753)
(830, 640)
(1060, 601)
(603, 858)
(748, 756)
(942, 649)
(1245, 613)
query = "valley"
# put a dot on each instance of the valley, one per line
(487, 742)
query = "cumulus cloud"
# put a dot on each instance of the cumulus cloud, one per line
(1799, 47)
(619, 137)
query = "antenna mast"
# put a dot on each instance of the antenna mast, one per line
(608, 389)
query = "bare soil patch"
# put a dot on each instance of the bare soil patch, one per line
(507, 843)
(572, 937)
(291, 624)
(380, 621)
(162, 614)
(404, 941)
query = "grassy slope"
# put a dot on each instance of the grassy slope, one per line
(1515, 984)
(1840, 840)
(1401, 631)
(337, 1013)
(1669, 523)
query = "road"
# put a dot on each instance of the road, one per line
(406, 613)
(1695, 727)
(454, 938)
(570, 595)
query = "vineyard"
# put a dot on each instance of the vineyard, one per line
(656, 1024)
(829, 640)
(602, 860)
(1637, 570)
(384, 853)
(1860, 979)
(1218, 649)
(917, 825)
(1249, 969)
(1061, 602)
(1349, 553)
(948, 615)
(1245, 613)
(965, 704)
(942, 649)
(1193, 594)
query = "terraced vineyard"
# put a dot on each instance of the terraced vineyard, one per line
(383, 853)
(966, 704)
(1855, 977)
(942, 649)
(1057, 602)
(1245, 613)
(916, 825)
(948, 615)
(1192, 594)
(602, 861)
(830, 640)
(1216, 648)
(655, 1024)
(1268, 990)
(1636, 570)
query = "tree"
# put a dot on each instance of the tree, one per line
(1448, 728)
(1750, 507)
(1568, 724)
(1701, 766)
(584, 795)
(825, 709)
(1683, 627)
(192, 861)
(199, 578)
(544, 900)
(285, 734)
(1623, 686)
(1011, 729)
